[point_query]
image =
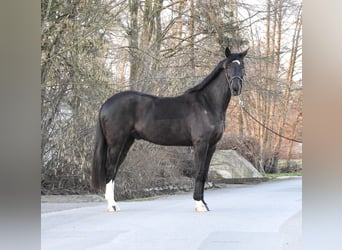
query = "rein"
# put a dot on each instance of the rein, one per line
(242, 105)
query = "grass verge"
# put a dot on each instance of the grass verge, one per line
(276, 175)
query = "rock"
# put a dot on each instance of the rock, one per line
(228, 164)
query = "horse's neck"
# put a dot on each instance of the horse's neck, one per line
(217, 94)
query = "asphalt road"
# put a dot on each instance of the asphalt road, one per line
(264, 216)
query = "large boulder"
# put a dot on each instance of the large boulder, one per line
(227, 166)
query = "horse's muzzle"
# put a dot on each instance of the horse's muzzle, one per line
(236, 86)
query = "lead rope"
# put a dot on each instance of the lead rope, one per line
(242, 105)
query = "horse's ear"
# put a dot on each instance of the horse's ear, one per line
(243, 54)
(227, 52)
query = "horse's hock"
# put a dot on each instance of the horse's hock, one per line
(228, 166)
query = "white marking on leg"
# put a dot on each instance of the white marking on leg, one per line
(109, 196)
(200, 207)
(199, 203)
(109, 191)
(116, 206)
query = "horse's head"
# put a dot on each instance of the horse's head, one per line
(234, 70)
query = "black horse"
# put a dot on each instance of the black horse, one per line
(195, 118)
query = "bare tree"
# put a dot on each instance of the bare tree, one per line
(74, 80)
(273, 86)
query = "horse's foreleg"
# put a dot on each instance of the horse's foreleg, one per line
(200, 205)
(200, 151)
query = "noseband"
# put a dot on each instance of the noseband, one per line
(230, 82)
(238, 77)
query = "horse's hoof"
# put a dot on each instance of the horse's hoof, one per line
(110, 209)
(113, 209)
(201, 206)
(201, 209)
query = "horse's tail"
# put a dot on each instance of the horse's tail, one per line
(98, 171)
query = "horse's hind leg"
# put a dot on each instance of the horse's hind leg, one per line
(127, 146)
(109, 196)
(113, 153)
(116, 155)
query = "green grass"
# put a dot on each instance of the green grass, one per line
(276, 175)
(282, 164)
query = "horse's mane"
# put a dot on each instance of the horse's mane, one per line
(208, 79)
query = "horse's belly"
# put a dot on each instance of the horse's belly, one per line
(165, 132)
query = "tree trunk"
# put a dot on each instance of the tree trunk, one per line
(285, 105)
(192, 37)
(133, 41)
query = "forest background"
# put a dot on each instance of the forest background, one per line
(91, 50)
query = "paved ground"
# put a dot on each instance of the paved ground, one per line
(265, 216)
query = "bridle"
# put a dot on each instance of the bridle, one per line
(230, 82)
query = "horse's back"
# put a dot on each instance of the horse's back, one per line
(125, 97)
(125, 102)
